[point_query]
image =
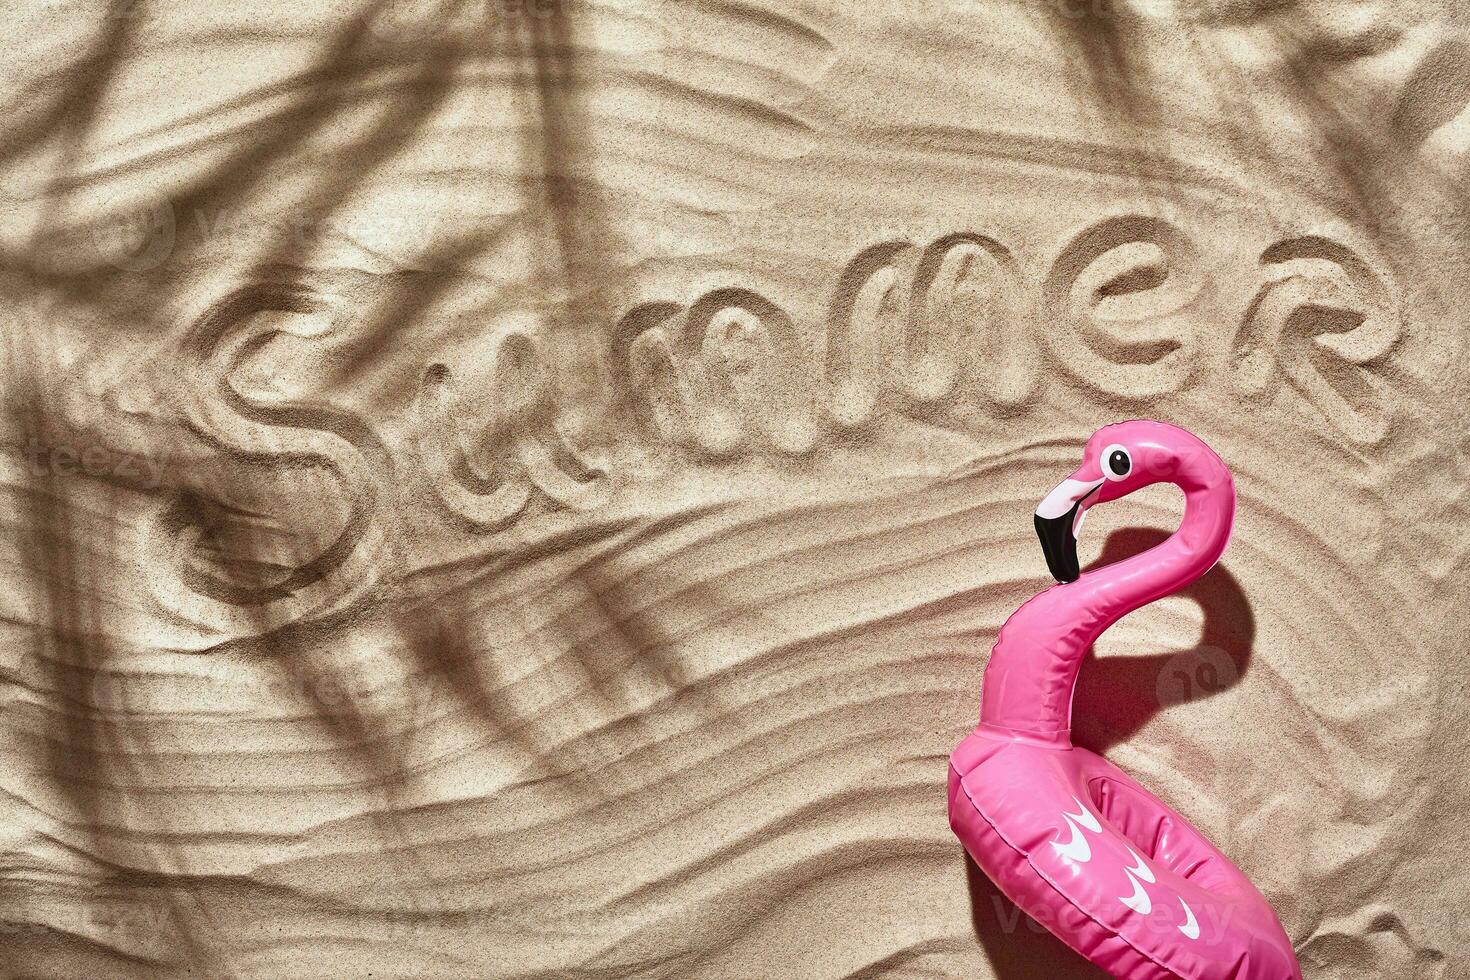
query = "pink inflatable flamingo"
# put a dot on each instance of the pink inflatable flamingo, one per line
(1068, 836)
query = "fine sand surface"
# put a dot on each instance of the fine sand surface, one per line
(527, 488)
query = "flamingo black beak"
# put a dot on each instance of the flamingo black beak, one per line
(1058, 520)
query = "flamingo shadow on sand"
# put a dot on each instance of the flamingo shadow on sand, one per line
(1117, 695)
(1015, 945)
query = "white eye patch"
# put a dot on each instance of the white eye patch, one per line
(1115, 462)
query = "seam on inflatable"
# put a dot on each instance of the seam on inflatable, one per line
(1044, 877)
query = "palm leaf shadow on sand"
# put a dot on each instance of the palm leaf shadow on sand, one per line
(92, 757)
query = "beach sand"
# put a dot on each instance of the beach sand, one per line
(528, 488)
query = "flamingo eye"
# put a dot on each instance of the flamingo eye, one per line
(1116, 463)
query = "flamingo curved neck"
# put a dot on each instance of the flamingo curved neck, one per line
(1033, 666)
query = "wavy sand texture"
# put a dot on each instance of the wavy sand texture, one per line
(527, 488)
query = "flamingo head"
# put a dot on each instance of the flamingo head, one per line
(1118, 460)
